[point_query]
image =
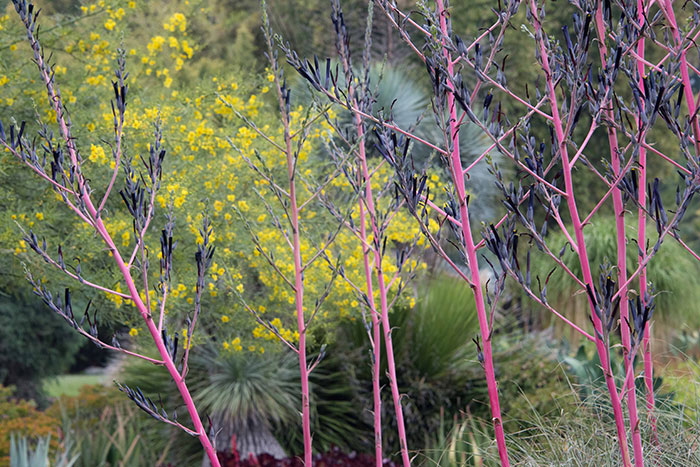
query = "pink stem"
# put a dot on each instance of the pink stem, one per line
(376, 327)
(641, 239)
(298, 281)
(473, 263)
(621, 255)
(299, 298)
(580, 240)
(100, 227)
(665, 157)
(369, 201)
(118, 133)
(688, 249)
(583, 145)
(688, 90)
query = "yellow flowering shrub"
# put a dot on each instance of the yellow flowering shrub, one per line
(205, 170)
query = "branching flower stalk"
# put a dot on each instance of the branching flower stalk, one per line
(289, 224)
(366, 203)
(569, 67)
(67, 179)
(360, 98)
(641, 240)
(283, 97)
(621, 239)
(470, 248)
(571, 92)
(603, 351)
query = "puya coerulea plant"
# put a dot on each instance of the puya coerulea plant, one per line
(58, 161)
(614, 89)
(581, 93)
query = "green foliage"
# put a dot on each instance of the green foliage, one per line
(591, 380)
(579, 432)
(586, 436)
(246, 392)
(22, 454)
(581, 436)
(435, 336)
(674, 274)
(461, 446)
(249, 389)
(21, 417)
(530, 379)
(70, 385)
(120, 436)
(34, 344)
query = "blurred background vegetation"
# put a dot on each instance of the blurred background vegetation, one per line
(182, 56)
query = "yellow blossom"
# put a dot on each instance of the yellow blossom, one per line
(187, 49)
(156, 44)
(109, 24)
(134, 332)
(97, 154)
(176, 21)
(225, 319)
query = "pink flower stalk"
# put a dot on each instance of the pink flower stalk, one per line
(299, 300)
(580, 247)
(283, 99)
(383, 303)
(92, 216)
(371, 249)
(470, 247)
(641, 239)
(375, 315)
(621, 252)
